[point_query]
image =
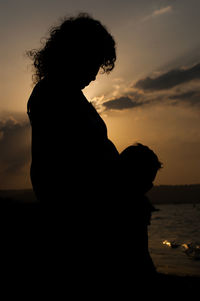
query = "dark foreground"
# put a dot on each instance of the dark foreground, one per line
(25, 238)
(179, 285)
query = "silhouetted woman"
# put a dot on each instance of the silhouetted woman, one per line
(72, 158)
(74, 165)
(71, 152)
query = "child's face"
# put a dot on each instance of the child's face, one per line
(144, 180)
(146, 186)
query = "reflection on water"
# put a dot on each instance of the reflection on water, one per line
(171, 244)
(192, 249)
(174, 239)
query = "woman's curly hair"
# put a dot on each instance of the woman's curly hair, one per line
(76, 44)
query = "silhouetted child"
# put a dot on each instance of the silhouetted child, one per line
(139, 166)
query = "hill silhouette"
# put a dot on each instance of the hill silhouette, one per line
(175, 194)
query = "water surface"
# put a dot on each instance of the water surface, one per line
(179, 225)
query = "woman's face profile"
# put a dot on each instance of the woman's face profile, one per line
(88, 75)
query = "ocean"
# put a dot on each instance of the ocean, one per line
(174, 239)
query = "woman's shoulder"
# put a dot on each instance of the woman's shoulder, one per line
(53, 98)
(47, 92)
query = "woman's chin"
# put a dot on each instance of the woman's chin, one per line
(84, 84)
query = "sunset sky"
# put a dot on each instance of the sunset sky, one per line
(152, 96)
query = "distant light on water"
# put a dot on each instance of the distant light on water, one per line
(171, 244)
(166, 242)
(191, 249)
(174, 239)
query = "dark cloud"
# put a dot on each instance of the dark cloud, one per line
(185, 95)
(190, 97)
(131, 100)
(14, 152)
(121, 103)
(169, 79)
(134, 100)
(159, 90)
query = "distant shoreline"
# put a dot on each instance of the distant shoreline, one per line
(159, 194)
(175, 194)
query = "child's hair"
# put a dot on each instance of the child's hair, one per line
(142, 161)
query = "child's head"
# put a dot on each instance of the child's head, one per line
(141, 164)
